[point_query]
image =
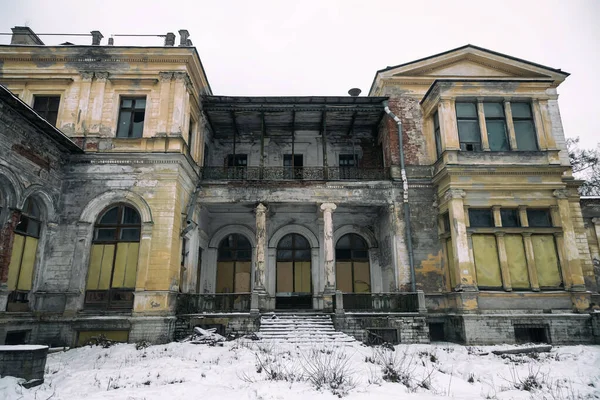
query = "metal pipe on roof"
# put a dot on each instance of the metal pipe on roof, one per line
(407, 230)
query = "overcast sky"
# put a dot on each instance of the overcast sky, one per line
(306, 47)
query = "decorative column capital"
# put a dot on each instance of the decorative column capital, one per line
(165, 76)
(86, 76)
(101, 76)
(526, 234)
(261, 209)
(561, 194)
(454, 194)
(328, 207)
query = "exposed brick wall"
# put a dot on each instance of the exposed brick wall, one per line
(408, 110)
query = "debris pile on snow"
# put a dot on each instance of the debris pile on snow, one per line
(204, 336)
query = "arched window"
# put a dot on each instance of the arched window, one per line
(22, 260)
(234, 265)
(293, 265)
(352, 264)
(114, 258)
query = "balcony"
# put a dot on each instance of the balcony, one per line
(191, 303)
(294, 173)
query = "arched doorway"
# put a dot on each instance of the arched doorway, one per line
(352, 269)
(234, 265)
(23, 255)
(294, 284)
(113, 259)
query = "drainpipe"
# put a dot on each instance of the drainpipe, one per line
(407, 231)
(189, 214)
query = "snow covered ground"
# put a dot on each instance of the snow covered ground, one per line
(246, 370)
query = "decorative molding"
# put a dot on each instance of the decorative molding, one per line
(101, 76)
(227, 230)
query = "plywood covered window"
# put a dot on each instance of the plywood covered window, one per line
(234, 265)
(352, 270)
(293, 265)
(114, 259)
(23, 255)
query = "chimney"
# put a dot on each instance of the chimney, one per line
(111, 41)
(24, 35)
(96, 38)
(183, 37)
(354, 92)
(170, 39)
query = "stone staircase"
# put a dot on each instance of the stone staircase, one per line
(301, 329)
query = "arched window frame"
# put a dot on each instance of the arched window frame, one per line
(234, 248)
(356, 251)
(113, 233)
(23, 255)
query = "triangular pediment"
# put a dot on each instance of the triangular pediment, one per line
(471, 62)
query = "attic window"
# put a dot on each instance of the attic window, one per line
(468, 127)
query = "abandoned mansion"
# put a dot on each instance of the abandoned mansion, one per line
(137, 204)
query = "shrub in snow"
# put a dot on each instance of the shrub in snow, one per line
(329, 369)
(100, 340)
(396, 367)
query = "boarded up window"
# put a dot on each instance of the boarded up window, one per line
(114, 259)
(353, 274)
(546, 261)
(487, 265)
(517, 261)
(293, 265)
(20, 270)
(234, 265)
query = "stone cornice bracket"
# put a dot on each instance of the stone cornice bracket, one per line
(101, 76)
(86, 75)
(561, 194)
(165, 76)
(596, 221)
(454, 194)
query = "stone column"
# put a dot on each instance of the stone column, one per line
(539, 125)
(448, 125)
(510, 126)
(485, 143)
(79, 268)
(261, 248)
(95, 114)
(573, 263)
(84, 101)
(460, 246)
(328, 247)
(163, 106)
(547, 124)
(179, 102)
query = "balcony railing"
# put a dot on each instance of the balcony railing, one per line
(295, 173)
(387, 302)
(190, 303)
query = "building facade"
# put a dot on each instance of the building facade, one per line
(441, 205)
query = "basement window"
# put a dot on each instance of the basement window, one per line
(379, 336)
(16, 337)
(526, 333)
(47, 107)
(131, 117)
(468, 127)
(436, 332)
